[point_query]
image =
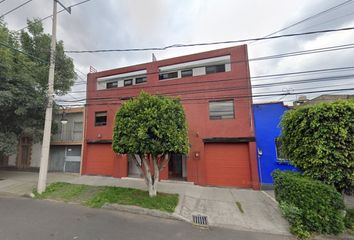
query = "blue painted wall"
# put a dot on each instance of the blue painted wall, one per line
(267, 117)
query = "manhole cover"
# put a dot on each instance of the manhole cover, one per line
(200, 220)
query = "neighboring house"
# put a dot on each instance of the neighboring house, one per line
(214, 88)
(66, 144)
(322, 98)
(267, 117)
(65, 149)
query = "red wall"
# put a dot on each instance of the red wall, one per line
(195, 105)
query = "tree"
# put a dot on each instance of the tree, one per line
(318, 139)
(23, 74)
(150, 128)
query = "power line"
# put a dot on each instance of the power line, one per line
(207, 44)
(229, 88)
(222, 97)
(308, 18)
(330, 20)
(2, 1)
(22, 52)
(14, 9)
(263, 78)
(49, 16)
(282, 55)
(262, 58)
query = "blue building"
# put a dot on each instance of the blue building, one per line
(267, 117)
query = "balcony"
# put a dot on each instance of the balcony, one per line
(68, 134)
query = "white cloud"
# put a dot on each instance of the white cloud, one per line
(100, 24)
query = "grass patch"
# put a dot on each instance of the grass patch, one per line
(128, 196)
(239, 206)
(63, 191)
(96, 197)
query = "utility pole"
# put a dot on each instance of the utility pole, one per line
(43, 169)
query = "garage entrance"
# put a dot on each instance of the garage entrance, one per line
(228, 164)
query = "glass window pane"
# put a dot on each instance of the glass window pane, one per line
(128, 82)
(163, 76)
(100, 118)
(187, 73)
(215, 68)
(112, 84)
(221, 110)
(140, 80)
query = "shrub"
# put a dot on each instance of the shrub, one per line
(309, 205)
(349, 219)
(319, 140)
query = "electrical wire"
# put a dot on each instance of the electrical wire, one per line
(14, 9)
(229, 88)
(330, 20)
(306, 19)
(221, 80)
(207, 43)
(49, 16)
(282, 55)
(271, 94)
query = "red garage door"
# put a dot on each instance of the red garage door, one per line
(99, 159)
(227, 164)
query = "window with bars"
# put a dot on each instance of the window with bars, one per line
(221, 110)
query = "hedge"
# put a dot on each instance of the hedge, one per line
(318, 139)
(309, 205)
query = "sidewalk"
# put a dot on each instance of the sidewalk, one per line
(257, 210)
(22, 183)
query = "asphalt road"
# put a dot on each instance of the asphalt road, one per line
(25, 219)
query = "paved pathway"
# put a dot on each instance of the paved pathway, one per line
(22, 183)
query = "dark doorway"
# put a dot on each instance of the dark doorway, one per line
(4, 161)
(24, 154)
(176, 167)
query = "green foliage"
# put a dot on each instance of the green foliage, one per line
(151, 125)
(128, 196)
(96, 196)
(309, 205)
(349, 219)
(294, 216)
(24, 82)
(62, 191)
(35, 42)
(319, 140)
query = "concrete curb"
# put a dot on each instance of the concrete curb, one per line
(144, 211)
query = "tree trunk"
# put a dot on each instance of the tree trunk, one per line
(149, 178)
(152, 189)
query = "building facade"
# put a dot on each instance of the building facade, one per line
(267, 118)
(214, 88)
(65, 146)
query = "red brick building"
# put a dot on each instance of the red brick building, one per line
(214, 88)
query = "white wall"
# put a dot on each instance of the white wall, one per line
(12, 160)
(36, 155)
